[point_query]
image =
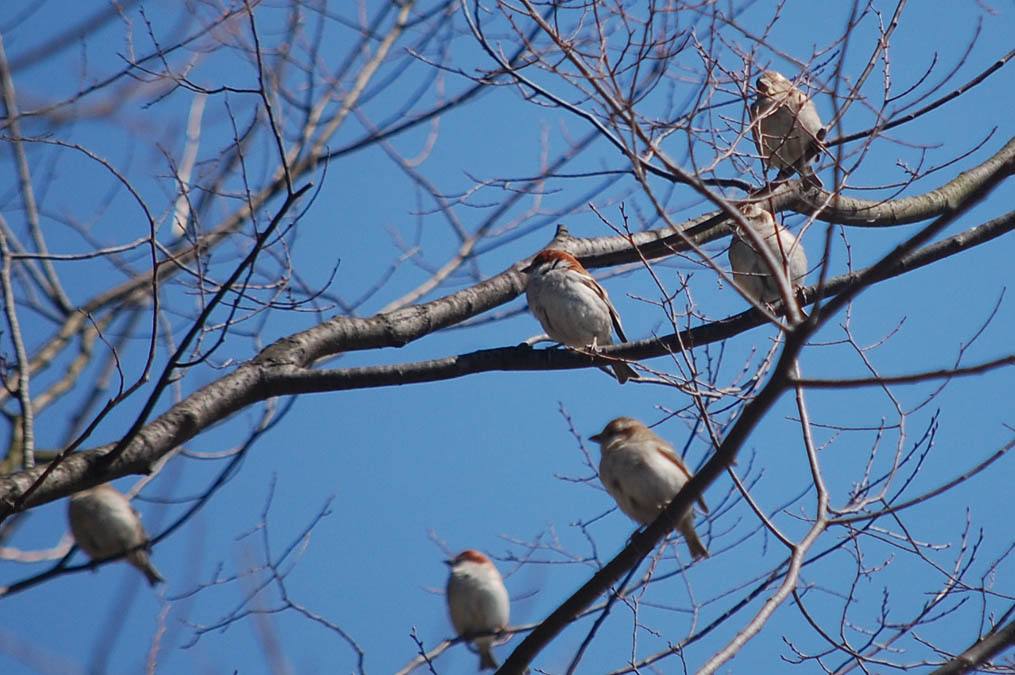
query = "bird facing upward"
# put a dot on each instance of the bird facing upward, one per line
(787, 129)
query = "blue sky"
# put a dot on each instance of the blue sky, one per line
(490, 461)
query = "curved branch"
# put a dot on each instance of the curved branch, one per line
(280, 368)
(838, 209)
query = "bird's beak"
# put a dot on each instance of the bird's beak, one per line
(597, 438)
(449, 562)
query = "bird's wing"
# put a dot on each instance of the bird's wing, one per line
(758, 109)
(674, 458)
(614, 316)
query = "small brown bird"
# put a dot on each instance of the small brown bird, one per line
(477, 601)
(749, 268)
(105, 524)
(572, 307)
(787, 130)
(643, 474)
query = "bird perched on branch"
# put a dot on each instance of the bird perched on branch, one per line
(477, 601)
(571, 306)
(749, 267)
(787, 130)
(643, 474)
(105, 524)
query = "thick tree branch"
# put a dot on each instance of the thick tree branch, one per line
(980, 652)
(280, 369)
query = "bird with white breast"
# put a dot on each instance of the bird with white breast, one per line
(750, 270)
(572, 307)
(478, 602)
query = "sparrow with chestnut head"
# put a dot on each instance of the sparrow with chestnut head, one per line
(571, 306)
(478, 602)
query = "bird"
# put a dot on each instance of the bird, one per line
(572, 307)
(787, 129)
(643, 474)
(749, 267)
(105, 524)
(477, 602)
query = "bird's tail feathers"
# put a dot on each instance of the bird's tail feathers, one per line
(623, 372)
(141, 561)
(486, 660)
(697, 548)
